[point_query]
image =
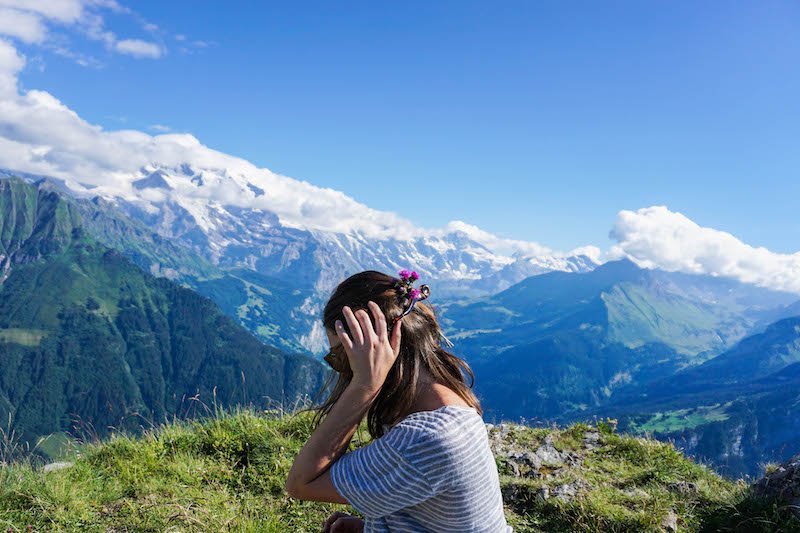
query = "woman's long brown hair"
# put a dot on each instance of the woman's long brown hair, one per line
(419, 349)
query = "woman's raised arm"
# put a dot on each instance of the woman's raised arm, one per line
(371, 355)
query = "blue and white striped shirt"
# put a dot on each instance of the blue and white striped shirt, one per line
(431, 472)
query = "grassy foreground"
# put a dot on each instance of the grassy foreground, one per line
(226, 474)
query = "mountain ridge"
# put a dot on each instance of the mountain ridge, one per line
(607, 342)
(460, 260)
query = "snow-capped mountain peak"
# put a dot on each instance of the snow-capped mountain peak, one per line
(279, 226)
(244, 215)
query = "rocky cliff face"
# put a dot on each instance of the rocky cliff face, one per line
(33, 223)
(781, 484)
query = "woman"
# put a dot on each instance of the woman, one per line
(429, 467)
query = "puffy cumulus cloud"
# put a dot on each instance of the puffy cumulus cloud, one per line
(514, 247)
(25, 26)
(592, 252)
(494, 242)
(655, 237)
(139, 48)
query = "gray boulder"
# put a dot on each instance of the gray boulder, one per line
(52, 467)
(782, 484)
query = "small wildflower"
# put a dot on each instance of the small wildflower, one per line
(413, 276)
(415, 293)
(405, 274)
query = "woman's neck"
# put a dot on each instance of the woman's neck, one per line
(432, 395)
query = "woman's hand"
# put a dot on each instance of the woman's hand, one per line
(371, 354)
(340, 522)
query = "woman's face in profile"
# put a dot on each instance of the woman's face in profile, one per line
(336, 357)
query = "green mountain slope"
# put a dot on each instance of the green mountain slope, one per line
(752, 358)
(736, 411)
(563, 342)
(86, 336)
(696, 315)
(264, 305)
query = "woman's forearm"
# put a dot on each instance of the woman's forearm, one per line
(331, 438)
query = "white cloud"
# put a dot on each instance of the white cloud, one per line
(160, 128)
(112, 5)
(192, 46)
(28, 21)
(63, 11)
(79, 58)
(655, 237)
(139, 48)
(25, 26)
(93, 26)
(11, 63)
(493, 242)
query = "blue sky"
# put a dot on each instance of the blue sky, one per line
(533, 120)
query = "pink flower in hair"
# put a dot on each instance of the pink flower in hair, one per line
(405, 274)
(415, 293)
(413, 276)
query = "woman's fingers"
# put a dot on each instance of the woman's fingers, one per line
(344, 338)
(372, 351)
(366, 326)
(380, 321)
(331, 519)
(352, 323)
(347, 524)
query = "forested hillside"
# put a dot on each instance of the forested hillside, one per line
(88, 341)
